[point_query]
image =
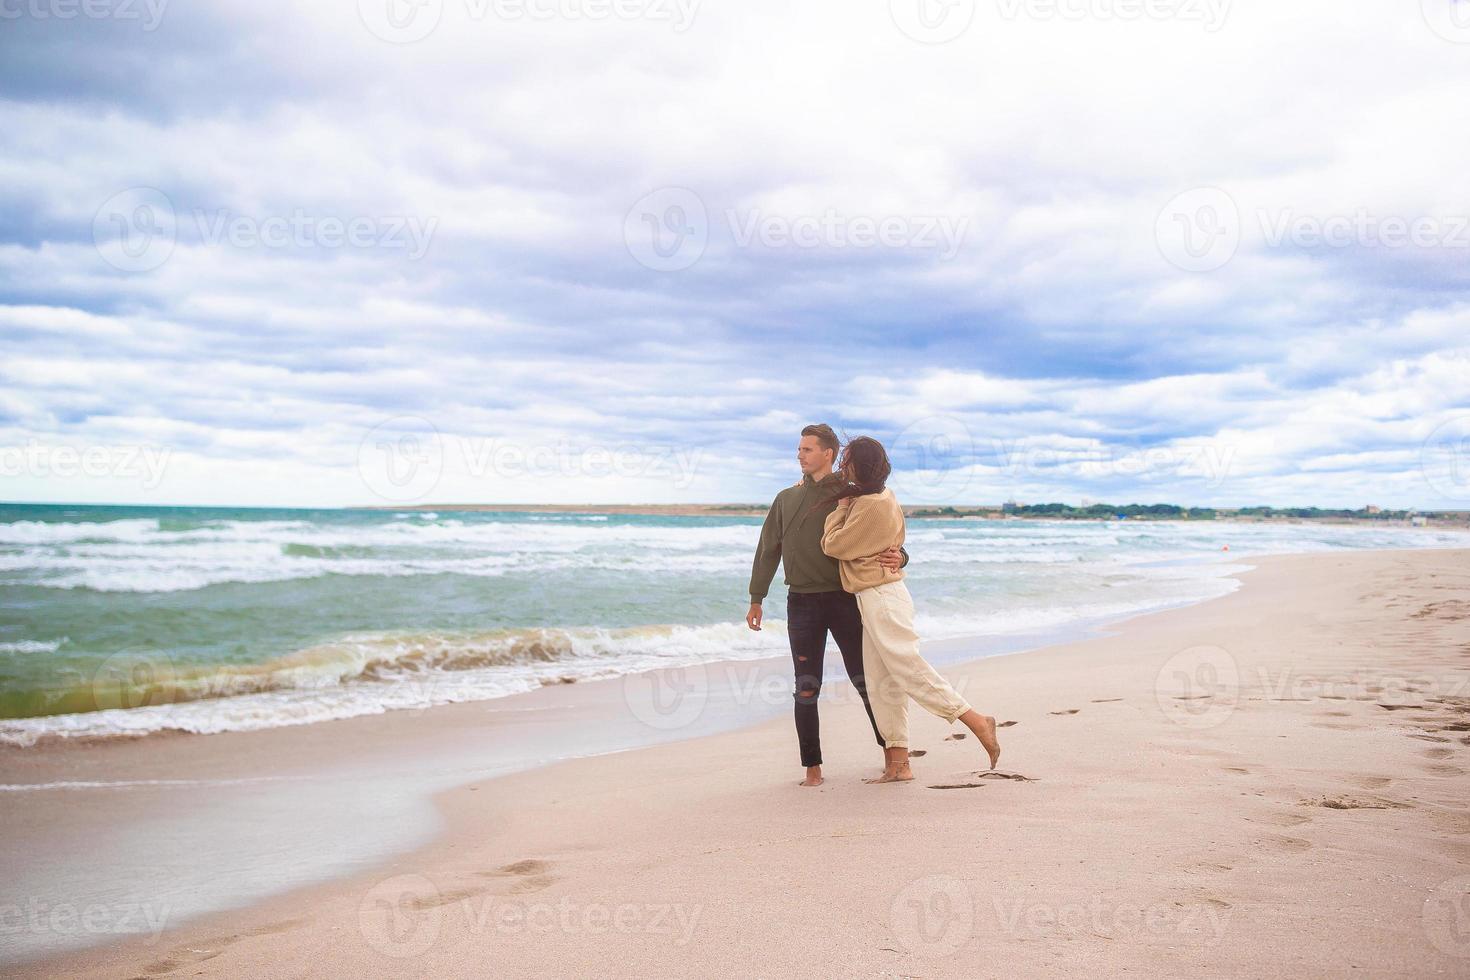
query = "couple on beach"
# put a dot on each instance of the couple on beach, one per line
(839, 536)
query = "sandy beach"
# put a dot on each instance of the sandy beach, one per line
(1270, 783)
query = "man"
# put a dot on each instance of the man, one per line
(815, 601)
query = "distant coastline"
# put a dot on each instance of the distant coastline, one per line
(989, 512)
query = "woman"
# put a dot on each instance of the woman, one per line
(868, 520)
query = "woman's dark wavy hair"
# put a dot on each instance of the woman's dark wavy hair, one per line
(864, 467)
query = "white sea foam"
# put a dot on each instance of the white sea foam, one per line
(373, 673)
(137, 555)
(32, 646)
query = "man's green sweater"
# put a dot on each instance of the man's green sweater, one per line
(792, 537)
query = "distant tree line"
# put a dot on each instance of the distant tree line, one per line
(1094, 511)
(1175, 512)
(1361, 513)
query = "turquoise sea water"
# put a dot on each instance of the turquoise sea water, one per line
(121, 620)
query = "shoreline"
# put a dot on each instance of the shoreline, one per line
(522, 840)
(735, 695)
(152, 715)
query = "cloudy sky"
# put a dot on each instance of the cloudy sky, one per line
(417, 251)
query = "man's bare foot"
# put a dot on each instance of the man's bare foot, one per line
(896, 774)
(813, 776)
(984, 728)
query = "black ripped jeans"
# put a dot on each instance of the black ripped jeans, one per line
(809, 617)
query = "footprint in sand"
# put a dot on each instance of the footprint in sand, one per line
(535, 884)
(1282, 819)
(190, 955)
(1067, 711)
(447, 897)
(1211, 867)
(1437, 753)
(530, 874)
(956, 737)
(987, 774)
(1280, 842)
(271, 928)
(1372, 782)
(916, 753)
(1105, 700)
(529, 866)
(1354, 803)
(1452, 610)
(1007, 724)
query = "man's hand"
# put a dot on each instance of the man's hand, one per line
(892, 559)
(753, 618)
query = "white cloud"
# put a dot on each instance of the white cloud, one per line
(523, 143)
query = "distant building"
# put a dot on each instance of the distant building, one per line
(1373, 509)
(1419, 520)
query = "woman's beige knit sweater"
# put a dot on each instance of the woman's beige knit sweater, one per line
(858, 531)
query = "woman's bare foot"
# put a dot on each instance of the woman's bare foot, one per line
(899, 774)
(813, 776)
(984, 728)
(895, 767)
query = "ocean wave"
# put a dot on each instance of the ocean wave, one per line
(184, 572)
(371, 673)
(562, 532)
(137, 555)
(33, 646)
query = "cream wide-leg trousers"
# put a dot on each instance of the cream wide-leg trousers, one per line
(892, 667)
